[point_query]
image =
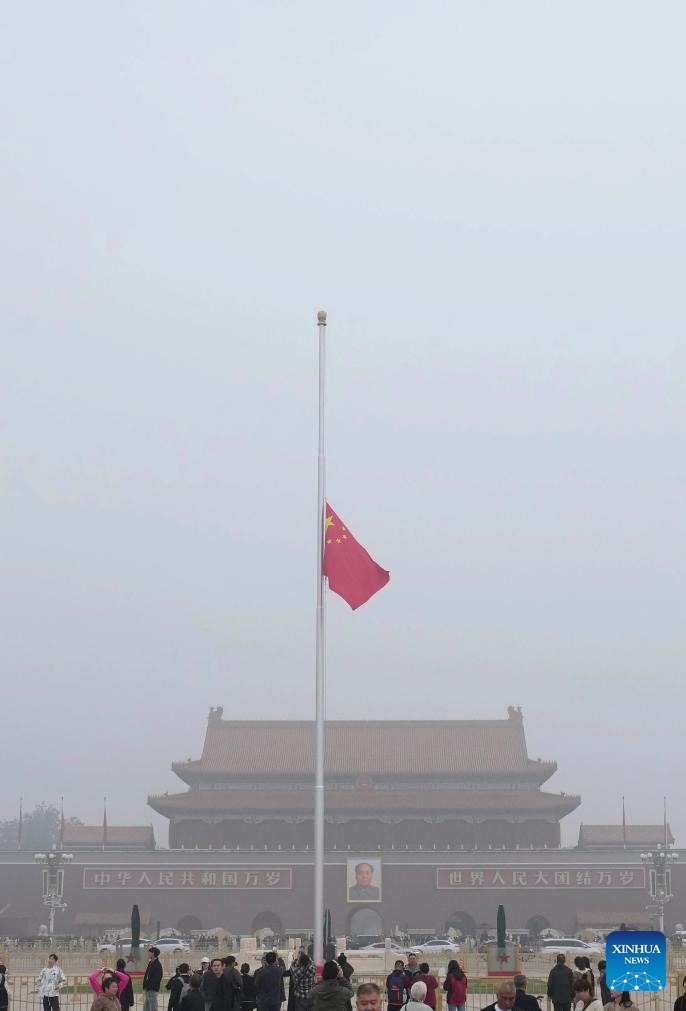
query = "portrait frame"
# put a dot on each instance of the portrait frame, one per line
(363, 879)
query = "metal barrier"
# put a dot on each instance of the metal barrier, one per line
(77, 995)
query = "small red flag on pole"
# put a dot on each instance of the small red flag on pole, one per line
(351, 571)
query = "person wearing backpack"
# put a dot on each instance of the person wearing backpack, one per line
(178, 986)
(193, 999)
(396, 987)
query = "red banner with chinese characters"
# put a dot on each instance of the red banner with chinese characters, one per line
(204, 879)
(540, 877)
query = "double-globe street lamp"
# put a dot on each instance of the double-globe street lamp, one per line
(53, 883)
(658, 862)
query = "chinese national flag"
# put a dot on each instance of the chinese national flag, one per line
(352, 572)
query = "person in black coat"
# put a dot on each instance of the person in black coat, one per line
(561, 985)
(248, 1002)
(345, 965)
(228, 991)
(680, 1002)
(523, 999)
(126, 998)
(176, 985)
(269, 984)
(193, 999)
(152, 979)
(208, 986)
(4, 997)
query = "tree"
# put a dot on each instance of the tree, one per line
(40, 828)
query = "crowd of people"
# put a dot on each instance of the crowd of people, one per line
(576, 989)
(221, 985)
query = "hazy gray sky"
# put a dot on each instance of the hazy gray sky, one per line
(489, 199)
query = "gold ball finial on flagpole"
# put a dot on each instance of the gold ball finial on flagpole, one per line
(321, 317)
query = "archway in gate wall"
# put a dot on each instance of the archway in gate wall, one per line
(365, 922)
(269, 920)
(462, 922)
(188, 923)
(535, 924)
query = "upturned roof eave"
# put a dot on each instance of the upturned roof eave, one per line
(203, 803)
(197, 772)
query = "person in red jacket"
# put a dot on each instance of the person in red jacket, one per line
(424, 976)
(455, 986)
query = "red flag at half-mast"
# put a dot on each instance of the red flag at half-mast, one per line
(352, 572)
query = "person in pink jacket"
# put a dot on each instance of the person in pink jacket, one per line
(95, 979)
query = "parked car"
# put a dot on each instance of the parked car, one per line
(122, 943)
(438, 944)
(572, 945)
(176, 944)
(165, 944)
(380, 945)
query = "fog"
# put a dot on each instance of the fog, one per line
(489, 201)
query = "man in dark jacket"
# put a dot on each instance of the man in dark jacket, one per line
(193, 1000)
(334, 993)
(231, 970)
(348, 969)
(268, 984)
(523, 999)
(561, 985)
(229, 985)
(248, 981)
(152, 979)
(396, 987)
(178, 985)
(209, 983)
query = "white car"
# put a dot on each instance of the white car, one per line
(573, 946)
(380, 946)
(438, 944)
(123, 943)
(176, 944)
(165, 944)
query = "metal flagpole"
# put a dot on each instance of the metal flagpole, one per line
(318, 947)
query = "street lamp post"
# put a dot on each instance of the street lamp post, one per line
(53, 883)
(659, 862)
